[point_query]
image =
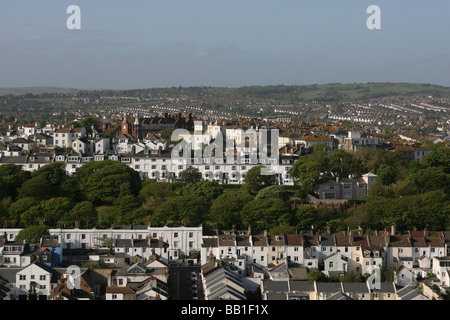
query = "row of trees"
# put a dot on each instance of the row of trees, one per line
(409, 194)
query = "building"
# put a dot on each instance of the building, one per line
(346, 188)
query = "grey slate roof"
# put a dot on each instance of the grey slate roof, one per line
(276, 286)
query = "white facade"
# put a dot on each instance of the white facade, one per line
(34, 278)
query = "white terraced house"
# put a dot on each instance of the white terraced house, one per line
(159, 165)
(181, 240)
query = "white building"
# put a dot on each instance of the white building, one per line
(36, 281)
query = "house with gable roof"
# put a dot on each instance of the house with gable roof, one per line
(35, 282)
(219, 283)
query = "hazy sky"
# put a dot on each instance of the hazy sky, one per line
(163, 43)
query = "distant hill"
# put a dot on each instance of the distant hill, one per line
(320, 92)
(338, 91)
(36, 90)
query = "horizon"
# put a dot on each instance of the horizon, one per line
(225, 45)
(223, 87)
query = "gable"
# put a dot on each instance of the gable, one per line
(156, 264)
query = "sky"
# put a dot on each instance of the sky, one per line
(164, 43)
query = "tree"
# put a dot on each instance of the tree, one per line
(37, 187)
(225, 209)
(430, 178)
(127, 210)
(306, 216)
(264, 214)
(341, 164)
(55, 210)
(369, 159)
(104, 181)
(275, 191)
(308, 170)
(32, 234)
(153, 194)
(318, 276)
(190, 175)
(32, 216)
(18, 207)
(190, 209)
(53, 174)
(207, 190)
(386, 174)
(254, 181)
(438, 158)
(83, 212)
(11, 179)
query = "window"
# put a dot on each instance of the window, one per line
(191, 234)
(22, 277)
(42, 277)
(175, 235)
(83, 236)
(330, 264)
(68, 236)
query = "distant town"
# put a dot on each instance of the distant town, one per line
(218, 194)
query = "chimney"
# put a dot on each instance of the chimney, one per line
(249, 230)
(360, 231)
(350, 237)
(425, 232)
(211, 257)
(393, 229)
(387, 237)
(328, 229)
